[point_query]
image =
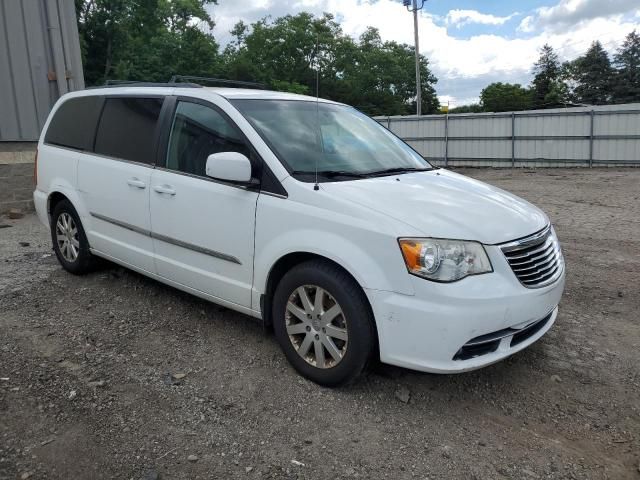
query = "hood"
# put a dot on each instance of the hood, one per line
(446, 205)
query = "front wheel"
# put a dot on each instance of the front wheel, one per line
(323, 323)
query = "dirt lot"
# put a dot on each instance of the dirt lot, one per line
(88, 369)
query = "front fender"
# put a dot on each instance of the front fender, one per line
(369, 253)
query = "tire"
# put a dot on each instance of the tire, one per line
(343, 342)
(73, 254)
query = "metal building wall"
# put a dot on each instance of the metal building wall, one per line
(39, 61)
(584, 136)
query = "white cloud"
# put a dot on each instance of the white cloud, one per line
(571, 12)
(463, 65)
(459, 18)
(527, 24)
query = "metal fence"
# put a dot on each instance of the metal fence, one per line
(585, 136)
(39, 61)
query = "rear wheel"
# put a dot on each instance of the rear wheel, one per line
(323, 323)
(69, 239)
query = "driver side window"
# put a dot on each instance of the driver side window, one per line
(197, 132)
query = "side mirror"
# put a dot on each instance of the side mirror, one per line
(229, 166)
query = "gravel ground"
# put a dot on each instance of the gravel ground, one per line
(113, 375)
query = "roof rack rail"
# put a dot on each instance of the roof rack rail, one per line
(182, 82)
(223, 81)
(135, 83)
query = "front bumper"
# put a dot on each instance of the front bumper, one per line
(427, 331)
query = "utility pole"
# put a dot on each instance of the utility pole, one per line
(412, 6)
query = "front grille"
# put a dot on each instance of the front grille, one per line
(536, 260)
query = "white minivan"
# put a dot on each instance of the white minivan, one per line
(304, 213)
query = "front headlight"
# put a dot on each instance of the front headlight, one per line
(444, 260)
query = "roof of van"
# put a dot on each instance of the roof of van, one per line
(226, 92)
(249, 93)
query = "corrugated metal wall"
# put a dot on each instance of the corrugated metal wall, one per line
(39, 61)
(606, 135)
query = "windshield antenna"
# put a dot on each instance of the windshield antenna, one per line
(317, 62)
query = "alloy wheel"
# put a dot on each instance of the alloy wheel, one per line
(67, 237)
(316, 326)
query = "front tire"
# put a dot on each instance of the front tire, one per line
(69, 239)
(323, 323)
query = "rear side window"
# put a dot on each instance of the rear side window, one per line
(127, 129)
(74, 123)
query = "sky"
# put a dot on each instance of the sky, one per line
(469, 43)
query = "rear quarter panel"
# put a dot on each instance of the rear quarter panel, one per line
(57, 172)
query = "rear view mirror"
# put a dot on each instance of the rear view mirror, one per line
(229, 166)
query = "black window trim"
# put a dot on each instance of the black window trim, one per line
(103, 102)
(107, 157)
(258, 167)
(162, 159)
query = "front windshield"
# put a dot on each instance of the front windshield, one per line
(337, 139)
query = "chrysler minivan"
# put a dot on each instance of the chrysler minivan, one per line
(304, 213)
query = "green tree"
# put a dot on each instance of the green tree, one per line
(627, 62)
(568, 76)
(292, 52)
(284, 52)
(547, 88)
(379, 77)
(505, 97)
(150, 40)
(472, 108)
(558, 96)
(145, 39)
(592, 76)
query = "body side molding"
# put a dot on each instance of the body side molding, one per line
(163, 238)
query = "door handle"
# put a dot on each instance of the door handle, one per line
(135, 182)
(168, 189)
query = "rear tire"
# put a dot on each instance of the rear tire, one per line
(69, 239)
(323, 323)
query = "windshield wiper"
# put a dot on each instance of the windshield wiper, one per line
(330, 173)
(391, 171)
(375, 173)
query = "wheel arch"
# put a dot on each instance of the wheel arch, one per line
(84, 261)
(58, 194)
(285, 264)
(53, 199)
